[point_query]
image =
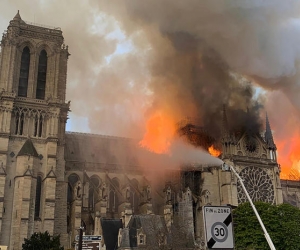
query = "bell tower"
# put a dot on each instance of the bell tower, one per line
(254, 157)
(33, 114)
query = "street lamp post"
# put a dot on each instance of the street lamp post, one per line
(80, 238)
(267, 236)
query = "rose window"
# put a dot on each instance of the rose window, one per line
(251, 146)
(258, 184)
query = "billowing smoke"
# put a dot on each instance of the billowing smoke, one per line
(200, 48)
(197, 47)
(132, 58)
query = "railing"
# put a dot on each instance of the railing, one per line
(26, 99)
(253, 159)
(42, 25)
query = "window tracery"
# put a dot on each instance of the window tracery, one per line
(258, 184)
(29, 121)
(251, 146)
(24, 72)
(38, 125)
(113, 197)
(134, 197)
(19, 123)
(91, 199)
(94, 183)
(41, 77)
(72, 180)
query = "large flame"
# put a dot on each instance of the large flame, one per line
(286, 124)
(160, 130)
(213, 151)
(289, 157)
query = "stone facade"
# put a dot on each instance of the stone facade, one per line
(114, 186)
(58, 181)
(33, 116)
(291, 192)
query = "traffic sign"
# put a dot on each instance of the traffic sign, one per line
(89, 246)
(218, 227)
(89, 238)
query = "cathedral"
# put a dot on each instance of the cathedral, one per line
(57, 181)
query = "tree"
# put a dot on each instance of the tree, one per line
(282, 223)
(42, 241)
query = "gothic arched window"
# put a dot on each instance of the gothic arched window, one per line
(19, 125)
(24, 72)
(91, 199)
(38, 126)
(112, 200)
(113, 197)
(95, 180)
(17, 119)
(72, 180)
(134, 196)
(41, 78)
(38, 193)
(94, 185)
(70, 194)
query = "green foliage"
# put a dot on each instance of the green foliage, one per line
(42, 241)
(282, 223)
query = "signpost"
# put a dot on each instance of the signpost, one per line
(89, 237)
(88, 242)
(89, 246)
(218, 227)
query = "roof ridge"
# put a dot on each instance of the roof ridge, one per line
(99, 135)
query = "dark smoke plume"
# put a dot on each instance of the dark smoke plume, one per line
(198, 46)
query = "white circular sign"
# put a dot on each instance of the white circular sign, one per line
(219, 232)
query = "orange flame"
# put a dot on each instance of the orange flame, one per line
(286, 124)
(289, 157)
(160, 130)
(213, 151)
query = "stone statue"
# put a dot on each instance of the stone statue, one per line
(168, 197)
(205, 197)
(148, 193)
(102, 194)
(127, 194)
(78, 190)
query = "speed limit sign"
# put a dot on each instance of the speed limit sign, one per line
(218, 227)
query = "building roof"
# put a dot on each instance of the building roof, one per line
(50, 33)
(125, 240)
(92, 152)
(269, 136)
(152, 225)
(100, 150)
(110, 229)
(28, 149)
(17, 16)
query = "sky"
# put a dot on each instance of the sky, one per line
(94, 40)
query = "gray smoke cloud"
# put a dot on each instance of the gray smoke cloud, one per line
(195, 45)
(131, 57)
